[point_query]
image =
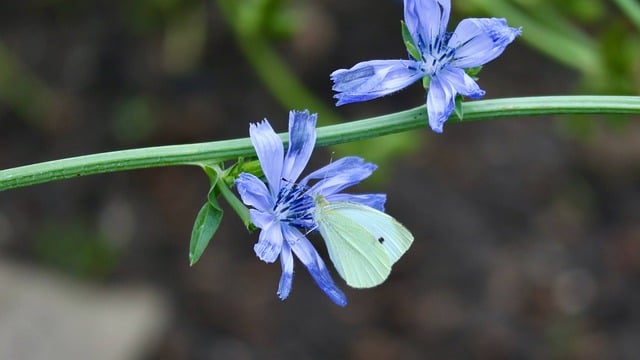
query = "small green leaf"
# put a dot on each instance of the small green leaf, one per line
(409, 43)
(458, 108)
(207, 221)
(251, 167)
(205, 226)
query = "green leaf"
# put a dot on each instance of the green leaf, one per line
(205, 226)
(208, 219)
(409, 43)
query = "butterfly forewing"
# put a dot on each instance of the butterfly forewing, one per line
(356, 253)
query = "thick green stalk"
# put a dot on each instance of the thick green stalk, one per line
(218, 151)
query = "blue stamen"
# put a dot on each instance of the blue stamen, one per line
(294, 206)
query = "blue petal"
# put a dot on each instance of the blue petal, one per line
(308, 255)
(427, 20)
(440, 102)
(375, 201)
(339, 175)
(478, 41)
(270, 152)
(286, 279)
(461, 82)
(339, 166)
(269, 242)
(302, 139)
(253, 192)
(262, 219)
(372, 79)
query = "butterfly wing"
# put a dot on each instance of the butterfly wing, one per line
(355, 252)
(393, 236)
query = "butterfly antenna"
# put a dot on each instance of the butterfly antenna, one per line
(303, 235)
(295, 185)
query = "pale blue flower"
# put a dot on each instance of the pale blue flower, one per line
(283, 208)
(440, 56)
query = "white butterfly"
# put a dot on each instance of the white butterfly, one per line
(363, 242)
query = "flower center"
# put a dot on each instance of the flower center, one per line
(294, 206)
(436, 54)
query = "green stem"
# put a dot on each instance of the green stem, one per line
(218, 151)
(235, 204)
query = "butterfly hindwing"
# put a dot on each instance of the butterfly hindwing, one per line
(363, 242)
(359, 257)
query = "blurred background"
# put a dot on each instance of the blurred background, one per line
(527, 230)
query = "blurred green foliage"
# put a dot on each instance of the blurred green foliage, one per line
(272, 19)
(598, 39)
(132, 120)
(76, 248)
(150, 15)
(22, 91)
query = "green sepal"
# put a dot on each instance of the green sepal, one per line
(473, 72)
(409, 43)
(206, 225)
(426, 81)
(458, 108)
(251, 167)
(225, 180)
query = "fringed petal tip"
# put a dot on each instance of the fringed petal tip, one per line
(324, 281)
(437, 128)
(480, 40)
(284, 287)
(375, 201)
(477, 94)
(286, 279)
(295, 115)
(342, 99)
(308, 255)
(440, 102)
(269, 243)
(427, 18)
(337, 296)
(266, 251)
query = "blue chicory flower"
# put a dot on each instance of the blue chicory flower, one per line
(284, 210)
(442, 59)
